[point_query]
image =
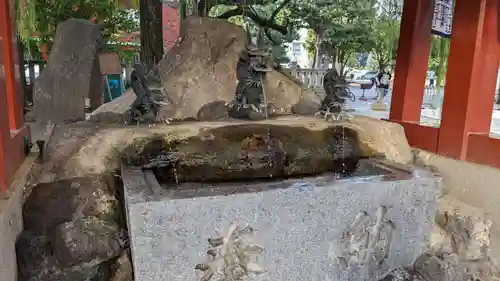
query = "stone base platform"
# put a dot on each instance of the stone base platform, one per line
(318, 228)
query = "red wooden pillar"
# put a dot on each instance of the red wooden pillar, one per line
(12, 129)
(411, 62)
(471, 77)
(11, 65)
(4, 126)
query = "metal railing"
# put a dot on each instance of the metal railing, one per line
(313, 79)
(433, 98)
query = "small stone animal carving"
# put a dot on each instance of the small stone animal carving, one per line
(249, 100)
(335, 91)
(232, 257)
(144, 108)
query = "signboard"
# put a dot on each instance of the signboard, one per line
(110, 63)
(442, 18)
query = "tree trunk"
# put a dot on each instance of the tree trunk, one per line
(22, 72)
(151, 32)
(317, 55)
(443, 57)
(204, 7)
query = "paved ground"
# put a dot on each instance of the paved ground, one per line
(429, 116)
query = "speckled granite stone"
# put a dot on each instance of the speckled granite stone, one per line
(298, 222)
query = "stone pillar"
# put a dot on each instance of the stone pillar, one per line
(60, 91)
(412, 59)
(471, 77)
(171, 24)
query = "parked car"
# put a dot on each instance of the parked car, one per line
(352, 73)
(365, 75)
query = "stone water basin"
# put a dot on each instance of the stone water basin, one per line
(311, 228)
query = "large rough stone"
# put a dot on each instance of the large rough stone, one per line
(202, 70)
(100, 153)
(471, 183)
(467, 228)
(36, 262)
(86, 240)
(303, 225)
(60, 90)
(51, 204)
(445, 267)
(382, 138)
(70, 231)
(122, 269)
(115, 110)
(458, 246)
(450, 267)
(284, 92)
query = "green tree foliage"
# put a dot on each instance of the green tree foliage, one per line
(339, 28)
(257, 33)
(39, 18)
(438, 58)
(386, 32)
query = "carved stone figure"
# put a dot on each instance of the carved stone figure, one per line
(335, 91)
(144, 108)
(250, 101)
(367, 241)
(232, 257)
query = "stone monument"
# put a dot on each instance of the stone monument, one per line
(60, 90)
(316, 228)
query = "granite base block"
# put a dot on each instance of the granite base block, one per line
(307, 227)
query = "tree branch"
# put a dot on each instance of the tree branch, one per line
(265, 23)
(231, 13)
(270, 37)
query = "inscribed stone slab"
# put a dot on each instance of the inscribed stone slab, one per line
(60, 90)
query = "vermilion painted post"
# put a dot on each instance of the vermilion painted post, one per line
(4, 129)
(4, 117)
(411, 62)
(12, 130)
(11, 65)
(471, 77)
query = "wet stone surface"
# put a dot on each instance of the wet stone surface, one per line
(247, 152)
